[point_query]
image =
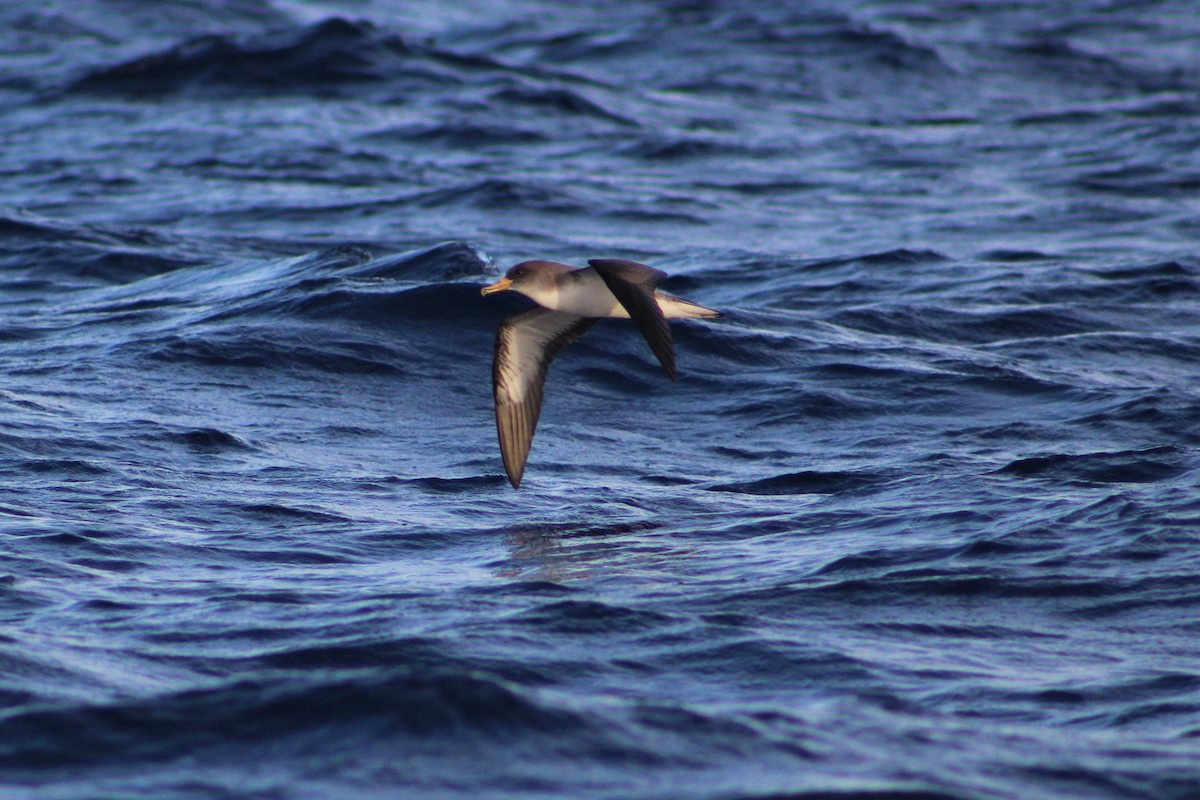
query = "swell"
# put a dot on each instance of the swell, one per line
(339, 310)
(795, 53)
(277, 348)
(339, 284)
(395, 704)
(1137, 466)
(332, 56)
(953, 326)
(338, 57)
(805, 482)
(1056, 60)
(41, 250)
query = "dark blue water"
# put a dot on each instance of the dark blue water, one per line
(920, 518)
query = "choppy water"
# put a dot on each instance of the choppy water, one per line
(920, 519)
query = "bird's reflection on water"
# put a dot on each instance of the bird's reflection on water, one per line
(570, 553)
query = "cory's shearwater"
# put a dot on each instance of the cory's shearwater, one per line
(571, 300)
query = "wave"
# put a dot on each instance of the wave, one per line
(209, 440)
(587, 617)
(1161, 412)
(44, 250)
(788, 29)
(559, 100)
(952, 326)
(1055, 59)
(1131, 466)
(500, 194)
(332, 57)
(300, 350)
(393, 704)
(465, 135)
(677, 148)
(1142, 180)
(805, 482)
(1005, 256)
(342, 58)
(338, 310)
(322, 58)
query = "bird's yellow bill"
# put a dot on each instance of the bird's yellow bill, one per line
(498, 286)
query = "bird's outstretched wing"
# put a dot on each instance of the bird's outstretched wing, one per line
(633, 285)
(526, 343)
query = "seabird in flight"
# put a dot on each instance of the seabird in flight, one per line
(571, 300)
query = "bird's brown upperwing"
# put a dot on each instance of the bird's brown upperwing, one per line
(526, 343)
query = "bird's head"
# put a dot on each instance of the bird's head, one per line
(533, 279)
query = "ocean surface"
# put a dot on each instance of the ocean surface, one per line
(920, 519)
